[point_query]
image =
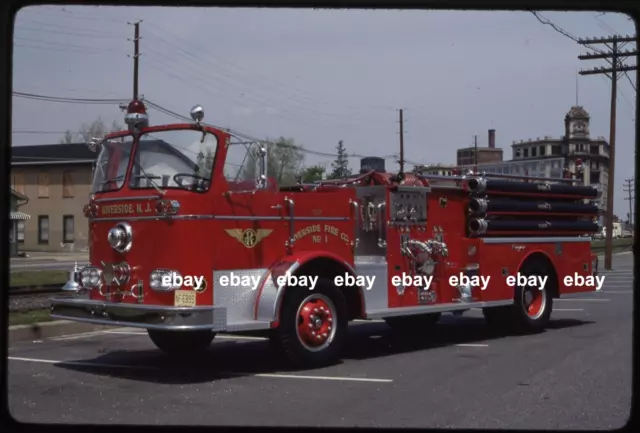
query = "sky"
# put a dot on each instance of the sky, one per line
(320, 76)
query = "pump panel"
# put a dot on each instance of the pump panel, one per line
(409, 206)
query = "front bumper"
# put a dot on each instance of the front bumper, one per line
(139, 316)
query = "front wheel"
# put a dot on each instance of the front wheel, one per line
(181, 342)
(313, 325)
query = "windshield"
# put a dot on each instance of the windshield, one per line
(174, 159)
(111, 165)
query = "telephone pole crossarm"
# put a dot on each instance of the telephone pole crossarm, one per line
(621, 68)
(628, 53)
(610, 40)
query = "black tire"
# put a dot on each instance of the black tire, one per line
(521, 317)
(181, 342)
(328, 324)
(535, 318)
(416, 323)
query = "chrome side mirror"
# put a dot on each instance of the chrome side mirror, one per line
(94, 144)
(197, 114)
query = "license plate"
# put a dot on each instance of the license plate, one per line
(185, 298)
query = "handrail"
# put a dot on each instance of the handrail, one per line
(346, 181)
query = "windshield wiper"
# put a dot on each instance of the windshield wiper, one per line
(113, 179)
(155, 185)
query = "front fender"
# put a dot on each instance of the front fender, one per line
(270, 294)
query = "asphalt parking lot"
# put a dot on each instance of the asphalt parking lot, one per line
(576, 375)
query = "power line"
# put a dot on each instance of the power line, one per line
(171, 113)
(38, 132)
(67, 99)
(575, 39)
(615, 54)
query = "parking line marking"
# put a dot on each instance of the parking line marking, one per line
(76, 336)
(344, 379)
(368, 321)
(241, 337)
(582, 299)
(126, 332)
(472, 345)
(135, 367)
(567, 309)
(618, 292)
(225, 337)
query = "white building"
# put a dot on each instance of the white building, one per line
(548, 156)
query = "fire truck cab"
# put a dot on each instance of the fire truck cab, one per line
(192, 236)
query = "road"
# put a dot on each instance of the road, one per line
(576, 375)
(18, 265)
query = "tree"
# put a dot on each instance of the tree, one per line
(284, 159)
(341, 164)
(312, 174)
(205, 163)
(87, 131)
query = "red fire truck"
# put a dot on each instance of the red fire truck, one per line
(191, 236)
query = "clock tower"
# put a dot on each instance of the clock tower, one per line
(576, 124)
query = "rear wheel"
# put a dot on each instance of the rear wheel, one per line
(181, 342)
(313, 325)
(532, 305)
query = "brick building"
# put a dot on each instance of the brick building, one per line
(485, 155)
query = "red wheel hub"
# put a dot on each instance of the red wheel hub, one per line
(315, 322)
(533, 302)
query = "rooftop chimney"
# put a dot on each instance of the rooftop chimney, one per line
(492, 138)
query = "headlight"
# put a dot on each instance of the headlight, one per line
(90, 277)
(164, 280)
(120, 237)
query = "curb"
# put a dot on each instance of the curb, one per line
(56, 328)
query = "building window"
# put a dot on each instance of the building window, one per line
(525, 153)
(533, 151)
(517, 153)
(67, 184)
(68, 229)
(542, 150)
(19, 183)
(43, 185)
(20, 232)
(43, 229)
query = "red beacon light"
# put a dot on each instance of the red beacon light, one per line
(136, 117)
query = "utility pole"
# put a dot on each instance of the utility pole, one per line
(613, 57)
(401, 142)
(136, 56)
(629, 189)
